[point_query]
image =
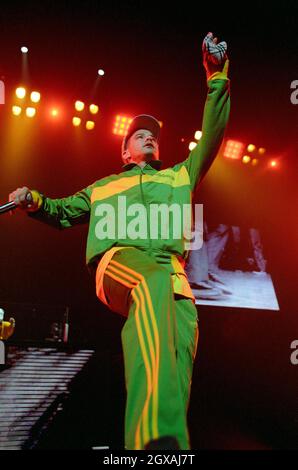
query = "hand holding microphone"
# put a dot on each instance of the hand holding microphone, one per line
(6, 327)
(24, 200)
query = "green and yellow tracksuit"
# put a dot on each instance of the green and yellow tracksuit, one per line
(143, 278)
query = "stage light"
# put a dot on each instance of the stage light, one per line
(192, 145)
(90, 125)
(30, 112)
(246, 159)
(21, 92)
(79, 105)
(233, 149)
(273, 164)
(261, 150)
(121, 124)
(254, 161)
(16, 110)
(24, 49)
(100, 72)
(54, 112)
(93, 108)
(35, 96)
(251, 148)
(198, 135)
(76, 121)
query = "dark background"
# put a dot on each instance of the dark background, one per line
(245, 388)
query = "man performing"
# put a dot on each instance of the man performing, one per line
(143, 277)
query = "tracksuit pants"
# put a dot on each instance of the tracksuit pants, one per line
(159, 340)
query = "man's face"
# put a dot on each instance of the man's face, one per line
(142, 146)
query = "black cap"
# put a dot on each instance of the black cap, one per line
(143, 121)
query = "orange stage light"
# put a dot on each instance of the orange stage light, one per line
(76, 121)
(233, 149)
(121, 124)
(273, 164)
(30, 112)
(93, 108)
(79, 105)
(20, 92)
(16, 110)
(35, 96)
(251, 148)
(90, 125)
(246, 159)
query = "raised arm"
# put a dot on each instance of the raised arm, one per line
(60, 213)
(216, 111)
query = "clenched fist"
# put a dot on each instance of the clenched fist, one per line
(24, 199)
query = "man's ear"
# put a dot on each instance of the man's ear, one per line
(126, 156)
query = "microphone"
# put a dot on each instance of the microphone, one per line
(9, 206)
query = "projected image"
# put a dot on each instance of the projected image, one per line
(231, 269)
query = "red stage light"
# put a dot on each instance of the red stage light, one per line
(273, 164)
(233, 149)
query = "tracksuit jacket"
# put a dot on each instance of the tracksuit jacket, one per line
(148, 185)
